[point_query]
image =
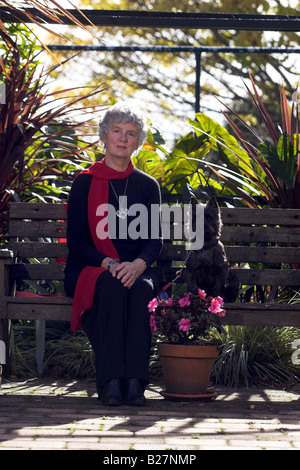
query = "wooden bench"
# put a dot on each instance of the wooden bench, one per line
(262, 246)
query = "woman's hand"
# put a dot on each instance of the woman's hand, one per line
(128, 271)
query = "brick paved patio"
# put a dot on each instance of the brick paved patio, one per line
(61, 414)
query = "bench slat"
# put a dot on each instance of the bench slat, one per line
(252, 254)
(252, 277)
(45, 271)
(236, 314)
(261, 254)
(37, 210)
(260, 234)
(272, 277)
(260, 216)
(56, 229)
(39, 250)
(37, 229)
(252, 314)
(50, 309)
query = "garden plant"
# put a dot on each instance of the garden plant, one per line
(42, 148)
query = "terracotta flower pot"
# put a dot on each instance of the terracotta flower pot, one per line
(187, 369)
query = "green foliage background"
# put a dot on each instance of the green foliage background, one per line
(196, 163)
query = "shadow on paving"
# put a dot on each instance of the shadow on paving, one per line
(56, 406)
(81, 395)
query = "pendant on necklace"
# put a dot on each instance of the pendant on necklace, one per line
(122, 213)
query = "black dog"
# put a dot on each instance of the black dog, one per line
(207, 268)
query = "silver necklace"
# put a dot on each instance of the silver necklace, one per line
(122, 212)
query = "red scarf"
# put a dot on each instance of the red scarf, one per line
(98, 194)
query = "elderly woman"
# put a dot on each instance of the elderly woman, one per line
(108, 270)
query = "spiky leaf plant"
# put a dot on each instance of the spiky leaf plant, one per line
(38, 132)
(257, 355)
(42, 13)
(275, 159)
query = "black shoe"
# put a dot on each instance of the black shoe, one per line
(111, 393)
(134, 393)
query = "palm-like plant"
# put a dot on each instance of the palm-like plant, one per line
(27, 109)
(38, 12)
(275, 161)
(34, 123)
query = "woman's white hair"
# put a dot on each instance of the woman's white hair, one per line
(124, 112)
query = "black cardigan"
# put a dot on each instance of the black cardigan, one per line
(141, 188)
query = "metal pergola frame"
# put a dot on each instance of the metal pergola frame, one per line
(196, 50)
(180, 20)
(162, 19)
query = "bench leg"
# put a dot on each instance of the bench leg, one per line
(40, 326)
(5, 328)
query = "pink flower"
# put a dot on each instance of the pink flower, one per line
(152, 304)
(202, 294)
(220, 300)
(169, 302)
(152, 323)
(184, 324)
(185, 300)
(215, 306)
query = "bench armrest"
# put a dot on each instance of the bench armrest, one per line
(6, 254)
(6, 258)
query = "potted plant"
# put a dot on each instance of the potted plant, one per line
(184, 324)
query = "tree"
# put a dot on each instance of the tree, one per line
(167, 80)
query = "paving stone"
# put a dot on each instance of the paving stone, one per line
(62, 414)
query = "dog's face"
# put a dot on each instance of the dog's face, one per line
(212, 219)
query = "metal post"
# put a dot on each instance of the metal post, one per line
(197, 80)
(173, 49)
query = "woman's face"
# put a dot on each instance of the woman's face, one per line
(121, 140)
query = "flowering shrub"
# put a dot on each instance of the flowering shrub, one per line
(187, 319)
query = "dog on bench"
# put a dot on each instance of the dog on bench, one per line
(207, 268)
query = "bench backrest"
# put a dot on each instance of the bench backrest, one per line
(253, 238)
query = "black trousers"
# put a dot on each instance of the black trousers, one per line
(118, 327)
